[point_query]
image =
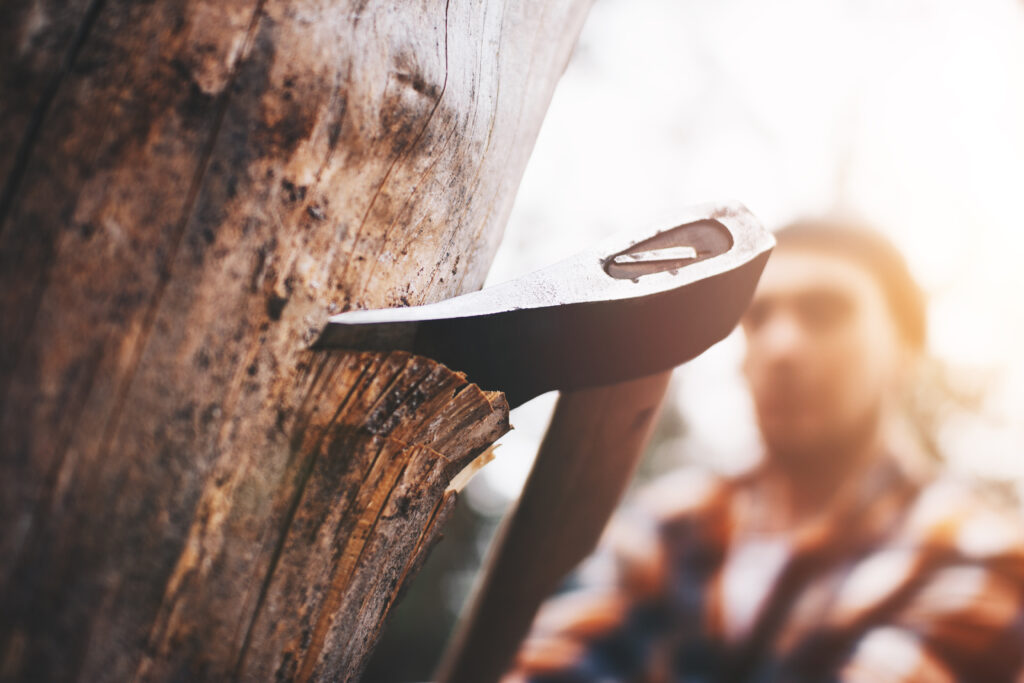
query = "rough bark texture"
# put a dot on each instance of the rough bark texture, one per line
(187, 189)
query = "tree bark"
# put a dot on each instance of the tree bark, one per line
(187, 189)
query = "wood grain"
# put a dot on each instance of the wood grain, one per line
(186, 491)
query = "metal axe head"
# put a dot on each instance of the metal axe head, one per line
(632, 306)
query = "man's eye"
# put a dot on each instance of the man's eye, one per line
(823, 310)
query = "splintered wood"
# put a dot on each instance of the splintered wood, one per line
(188, 188)
(386, 435)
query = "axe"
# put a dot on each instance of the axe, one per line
(605, 328)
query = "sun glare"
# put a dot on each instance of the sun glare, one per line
(908, 113)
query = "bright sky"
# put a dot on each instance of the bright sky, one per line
(908, 112)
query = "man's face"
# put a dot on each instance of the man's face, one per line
(822, 355)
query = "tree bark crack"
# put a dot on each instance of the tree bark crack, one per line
(306, 472)
(149, 317)
(404, 154)
(35, 123)
(483, 224)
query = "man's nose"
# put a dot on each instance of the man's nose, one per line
(782, 338)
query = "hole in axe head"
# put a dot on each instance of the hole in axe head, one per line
(670, 250)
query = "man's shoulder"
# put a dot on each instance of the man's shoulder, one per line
(947, 588)
(974, 519)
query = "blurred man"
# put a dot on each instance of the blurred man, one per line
(835, 559)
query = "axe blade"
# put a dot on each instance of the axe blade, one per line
(632, 306)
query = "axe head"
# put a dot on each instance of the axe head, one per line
(636, 304)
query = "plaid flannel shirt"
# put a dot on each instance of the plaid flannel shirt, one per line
(698, 581)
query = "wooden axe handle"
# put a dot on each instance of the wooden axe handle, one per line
(588, 455)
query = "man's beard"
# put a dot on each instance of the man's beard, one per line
(830, 449)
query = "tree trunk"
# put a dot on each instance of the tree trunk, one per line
(189, 187)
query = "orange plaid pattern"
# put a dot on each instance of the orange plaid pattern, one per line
(698, 581)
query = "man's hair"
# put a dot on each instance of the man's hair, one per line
(868, 248)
